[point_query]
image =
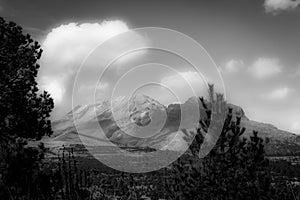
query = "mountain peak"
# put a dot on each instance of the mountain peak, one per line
(142, 98)
(142, 121)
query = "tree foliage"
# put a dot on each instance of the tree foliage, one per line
(24, 112)
(234, 169)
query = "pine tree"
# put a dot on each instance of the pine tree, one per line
(235, 168)
(24, 112)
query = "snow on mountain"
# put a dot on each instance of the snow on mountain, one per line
(141, 121)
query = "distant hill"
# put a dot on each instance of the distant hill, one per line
(143, 122)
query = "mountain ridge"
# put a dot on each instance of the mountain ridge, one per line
(133, 115)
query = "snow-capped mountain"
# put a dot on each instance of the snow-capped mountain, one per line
(141, 121)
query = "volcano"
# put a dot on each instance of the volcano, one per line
(141, 121)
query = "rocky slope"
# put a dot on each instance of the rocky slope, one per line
(143, 122)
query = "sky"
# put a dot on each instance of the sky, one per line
(254, 44)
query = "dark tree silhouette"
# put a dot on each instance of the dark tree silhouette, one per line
(235, 168)
(24, 112)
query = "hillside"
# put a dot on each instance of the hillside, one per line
(143, 122)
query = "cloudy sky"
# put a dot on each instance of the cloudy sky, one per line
(254, 43)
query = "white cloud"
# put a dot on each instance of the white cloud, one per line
(233, 66)
(100, 88)
(98, 92)
(265, 67)
(296, 126)
(279, 93)
(66, 46)
(274, 6)
(181, 79)
(53, 85)
(64, 49)
(185, 85)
